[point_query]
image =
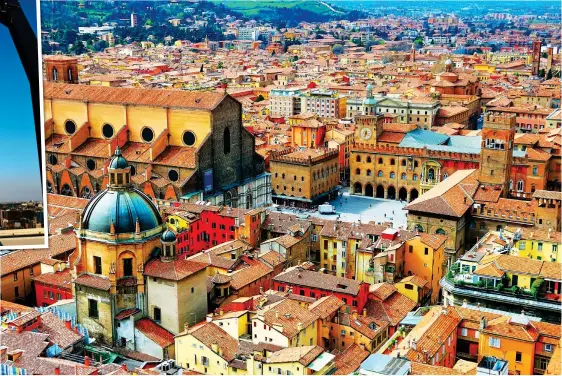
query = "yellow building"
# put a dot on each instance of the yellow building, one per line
(414, 287)
(286, 324)
(537, 244)
(306, 360)
(347, 329)
(512, 340)
(304, 176)
(425, 258)
(205, 348)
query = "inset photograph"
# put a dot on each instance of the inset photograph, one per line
(22, 192)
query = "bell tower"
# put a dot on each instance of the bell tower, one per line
(61, 68)
(496, 155)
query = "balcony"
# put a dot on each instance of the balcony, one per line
(460, 285)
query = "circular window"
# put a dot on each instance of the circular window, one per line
(91, 164)
(173, 175)
(189, 138)
(147, 134)
(70, 127)
(107, 131)
(53, 159)
(133, 170)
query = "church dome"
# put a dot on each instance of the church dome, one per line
(122, 208)
(168, 236)
(118, 208)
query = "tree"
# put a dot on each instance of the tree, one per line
(337, 49)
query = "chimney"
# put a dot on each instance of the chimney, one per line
(68, 324)
(522, 312)
(354, 315)
(425, 356)
(464, 302)
(414, 344)
(124, 367)
(57, 370)
(87, 361)
(483, 323)
(210, 317)
(186, 326)
(364, 312)
(221, 312)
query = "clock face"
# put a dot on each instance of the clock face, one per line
(366, 134)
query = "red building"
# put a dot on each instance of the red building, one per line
(52, 287)
(317, 285)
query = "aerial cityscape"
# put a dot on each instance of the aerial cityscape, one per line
(296, 187)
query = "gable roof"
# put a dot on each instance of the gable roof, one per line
(451, 197)
(196, 100)
(209, 333)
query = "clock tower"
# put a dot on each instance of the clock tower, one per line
(368, 128)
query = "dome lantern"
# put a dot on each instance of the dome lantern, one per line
(119, 171)
(169, 243)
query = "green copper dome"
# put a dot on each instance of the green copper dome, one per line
(122, 208)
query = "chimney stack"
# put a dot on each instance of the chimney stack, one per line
(87, 361)
(57, 370)
(186, 326)
(364, 312)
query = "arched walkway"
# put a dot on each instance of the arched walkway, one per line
(368, 190)
(403, 194)
(391, 193)
(413, 194)
(357, 188)
(380, 191)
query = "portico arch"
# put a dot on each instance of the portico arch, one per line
(380, 191)
(369, 190)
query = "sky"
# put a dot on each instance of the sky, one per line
(20, 178)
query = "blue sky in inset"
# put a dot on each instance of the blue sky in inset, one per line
(20, 177)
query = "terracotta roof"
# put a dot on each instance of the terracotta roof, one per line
(197, 100)
(288, 313)
(93, 281)
(326, 306)
(382, 290)
(417, 368)
(434, 336)
(57, 331)
(350, 360)
(60, 279)
(297, 277)
(304, 355)
(272, 258)
(449, 197)
(155, 332)
(208, 333)
(392, 137)
(126, 313)
(489, 270)
(416, 280)
(435, 241)
(6, 306)
(506, 328)
(394, 309)
(175, 270)
(58, 244)
(252, 273)
(554, 195)
(519, 265)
